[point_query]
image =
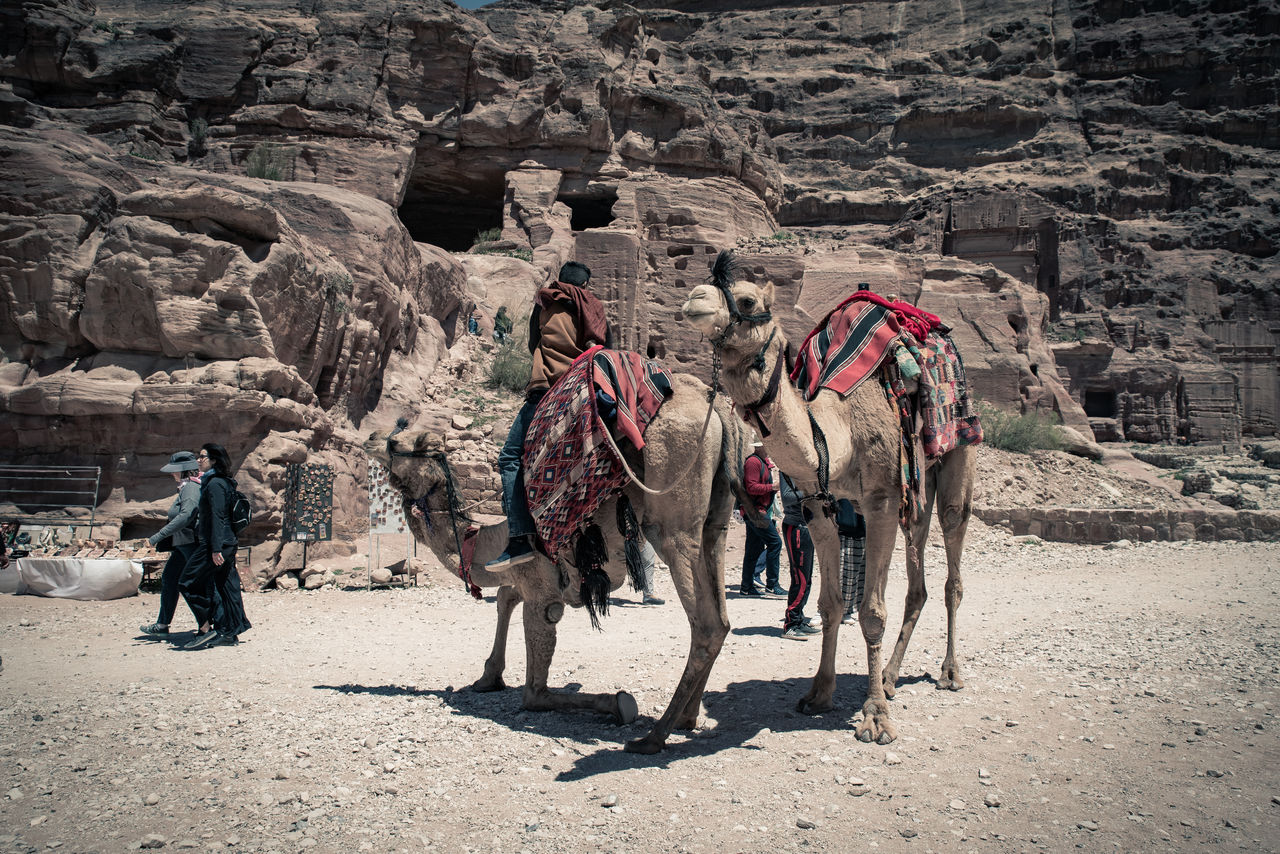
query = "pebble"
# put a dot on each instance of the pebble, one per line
(908, 832)
(805, 824)
(151, 799)
(984, 774)
(891, 758)
(958, 804)
(15, 794)
(992, 800)
(1087, 825)
(609, 801)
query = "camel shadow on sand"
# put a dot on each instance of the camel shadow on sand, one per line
(742, 711)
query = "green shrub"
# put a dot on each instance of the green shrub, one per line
(489, 235)
(512, 362)
(337, 287)
(783, 235)
(1021, 434)
(199, 130)
(270, 162)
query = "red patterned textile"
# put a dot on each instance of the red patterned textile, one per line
(570, 469)
(849, 343)
(947, 418)
(845, 348)
(635, 385)
(465, 559)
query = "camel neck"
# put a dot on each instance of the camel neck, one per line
(783, 414)
(490, 541)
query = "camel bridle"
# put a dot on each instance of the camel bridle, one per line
(453, 504)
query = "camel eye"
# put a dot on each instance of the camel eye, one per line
(746, 304)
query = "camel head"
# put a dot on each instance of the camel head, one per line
(416, 468)
(734, 313)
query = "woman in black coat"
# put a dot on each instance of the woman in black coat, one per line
(211, 582)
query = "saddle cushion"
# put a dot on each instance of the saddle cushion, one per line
(570, 468)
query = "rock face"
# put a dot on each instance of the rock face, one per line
(241, 223)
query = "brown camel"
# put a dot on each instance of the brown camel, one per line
(687, 527)
(863, 438)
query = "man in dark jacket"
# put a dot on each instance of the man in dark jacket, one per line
(757, 478)
(567, 320)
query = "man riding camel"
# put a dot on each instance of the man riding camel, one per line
(567, 320)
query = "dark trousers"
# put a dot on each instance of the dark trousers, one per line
(764, 539)
(169, 579)
(800, 556)
(213, 592)
(515, 503)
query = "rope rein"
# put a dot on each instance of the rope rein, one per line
(711, 402)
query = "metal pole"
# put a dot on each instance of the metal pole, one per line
(93, 504)
(368, 563)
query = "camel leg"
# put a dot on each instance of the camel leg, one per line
(713, 539)
(496, 663)
(916, 593)
(882, 530)
(540, 619)
(955, 504)
(826, 546)
(708, 627)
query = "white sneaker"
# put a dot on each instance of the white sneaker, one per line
(850, 619)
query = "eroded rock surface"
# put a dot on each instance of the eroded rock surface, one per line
(1085, 192)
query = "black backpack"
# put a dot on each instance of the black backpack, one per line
(241, 511)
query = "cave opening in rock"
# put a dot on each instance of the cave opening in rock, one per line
(1100, 404)
(449, 221)
(589, 212)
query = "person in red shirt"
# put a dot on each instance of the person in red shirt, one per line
(758, 480)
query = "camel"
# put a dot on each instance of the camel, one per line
(862, 436)
(685, 443)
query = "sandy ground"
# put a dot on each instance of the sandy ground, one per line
(1116, 699)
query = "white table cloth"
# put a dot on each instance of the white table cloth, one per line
(72, 578)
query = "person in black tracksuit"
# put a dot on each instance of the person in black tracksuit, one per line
(795, 534)
(211, 582)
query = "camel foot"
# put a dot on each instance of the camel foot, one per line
(875, 725)
(647, 746)
(690, 723)
(625, 709)
(487, 685)
(949, 679)
(813, 706)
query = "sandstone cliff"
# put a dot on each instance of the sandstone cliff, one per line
(1087, 193)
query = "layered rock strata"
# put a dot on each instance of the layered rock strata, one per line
(240, 222)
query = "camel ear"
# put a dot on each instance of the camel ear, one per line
(766, 294)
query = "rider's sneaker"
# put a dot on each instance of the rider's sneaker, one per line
(518, 551)
(795, 633)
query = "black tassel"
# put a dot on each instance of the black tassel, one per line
(590, 555)
(629, 527)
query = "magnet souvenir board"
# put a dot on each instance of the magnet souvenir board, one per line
(308, 503)
(386, 507)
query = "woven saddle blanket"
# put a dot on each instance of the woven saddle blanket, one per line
(867, 332)
(570, 468)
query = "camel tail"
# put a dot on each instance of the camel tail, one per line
(733, 456)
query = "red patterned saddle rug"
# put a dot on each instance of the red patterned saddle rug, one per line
(852, 341)
(570, 468)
